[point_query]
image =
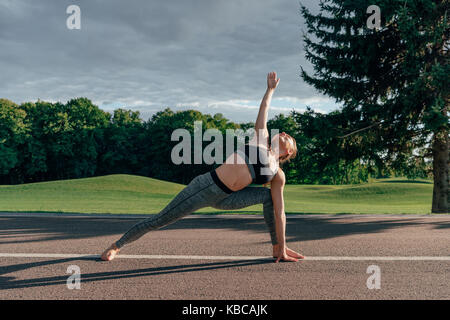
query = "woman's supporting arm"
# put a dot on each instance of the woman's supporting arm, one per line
(277, 188)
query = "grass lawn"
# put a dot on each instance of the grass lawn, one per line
(129, 194)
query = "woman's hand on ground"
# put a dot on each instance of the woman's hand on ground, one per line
(289, 252)
(294, 254)
(272, 81)
(283, 256)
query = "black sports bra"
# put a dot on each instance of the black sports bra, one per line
(259, 169)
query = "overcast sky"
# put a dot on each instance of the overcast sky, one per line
(209, 55)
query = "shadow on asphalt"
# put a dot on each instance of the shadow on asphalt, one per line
(8, 282)
(14, 229)
(36, 229)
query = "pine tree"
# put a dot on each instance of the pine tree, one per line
(392, 81)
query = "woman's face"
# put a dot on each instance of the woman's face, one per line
(283, 143)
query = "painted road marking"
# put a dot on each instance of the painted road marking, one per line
(192, 257)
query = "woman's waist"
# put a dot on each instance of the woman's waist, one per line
(234, 176)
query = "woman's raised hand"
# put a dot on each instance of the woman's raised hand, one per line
(272, 81)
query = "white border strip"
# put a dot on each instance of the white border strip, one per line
(191, 257)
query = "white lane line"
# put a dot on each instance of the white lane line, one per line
(191, 257)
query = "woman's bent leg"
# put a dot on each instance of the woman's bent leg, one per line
(250, 196)
(199, 193)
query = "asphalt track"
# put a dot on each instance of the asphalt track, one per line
(225, 257)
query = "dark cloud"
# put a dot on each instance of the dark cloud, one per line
(149, 55)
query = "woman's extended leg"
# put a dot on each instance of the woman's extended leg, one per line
(250, 196)
(199, 193)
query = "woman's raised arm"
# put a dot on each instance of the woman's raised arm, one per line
(261, 120)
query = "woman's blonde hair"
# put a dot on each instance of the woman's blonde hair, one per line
(288, 157)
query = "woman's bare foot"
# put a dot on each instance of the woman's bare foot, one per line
(110, 253)
(289, 252)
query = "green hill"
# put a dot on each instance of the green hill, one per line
(136, 195)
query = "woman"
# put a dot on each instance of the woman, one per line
(227, 186)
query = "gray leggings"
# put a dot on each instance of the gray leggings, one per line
(202, 192)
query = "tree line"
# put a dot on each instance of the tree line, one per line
(42, 141)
